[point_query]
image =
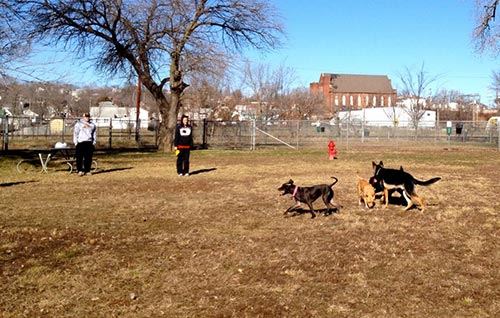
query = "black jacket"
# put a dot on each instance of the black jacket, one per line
(183, 137)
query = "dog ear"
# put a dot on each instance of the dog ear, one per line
(290, 181)
(381, 163)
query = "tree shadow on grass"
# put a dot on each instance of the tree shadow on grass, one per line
(9, 184)
(99, 171)
(202, 171)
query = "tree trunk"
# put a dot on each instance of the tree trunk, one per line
(170, 109)
(169, 112)
(166, 126)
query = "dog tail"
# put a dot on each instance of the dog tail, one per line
(334, 182)
(427, 182)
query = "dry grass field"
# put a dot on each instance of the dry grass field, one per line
(136, 240)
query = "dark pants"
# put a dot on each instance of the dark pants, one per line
(83, 153)
(183, 161)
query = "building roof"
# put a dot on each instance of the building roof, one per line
(352, 83)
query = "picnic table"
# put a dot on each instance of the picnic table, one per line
(49, 160)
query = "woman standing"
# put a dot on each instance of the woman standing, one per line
(183, 142)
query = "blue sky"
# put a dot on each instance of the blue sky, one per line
(384, 37)
(377, 37)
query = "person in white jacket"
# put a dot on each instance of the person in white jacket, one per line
(84, 138)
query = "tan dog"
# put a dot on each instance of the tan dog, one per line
(366, 193)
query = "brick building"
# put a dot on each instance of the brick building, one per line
(351, 91)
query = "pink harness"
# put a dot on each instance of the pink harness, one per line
(295, 191)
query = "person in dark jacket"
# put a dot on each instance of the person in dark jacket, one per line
(183, 142)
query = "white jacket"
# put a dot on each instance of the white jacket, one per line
(84, 131)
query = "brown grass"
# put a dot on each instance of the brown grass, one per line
(135, 240)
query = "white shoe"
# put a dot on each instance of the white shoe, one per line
(80, 173)
(180, 174)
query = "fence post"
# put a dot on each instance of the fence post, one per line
(363, 127)
(5, 142)
(110, 133)
(297, 133)
(63, 130)
(204, 137)
(157, 128)
(138, 131)
(252, 137)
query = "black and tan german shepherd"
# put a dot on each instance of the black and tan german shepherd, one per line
(390, 179)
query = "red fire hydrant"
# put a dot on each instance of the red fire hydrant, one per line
(332, 152)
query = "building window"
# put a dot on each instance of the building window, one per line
(374, 100)
(343, 100)
(336, 100)
(351, 100)
(359, 101)
(367, 100)
(382, 101)
(389, 101)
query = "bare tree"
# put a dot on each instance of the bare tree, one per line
(207, 91)
(160, 40)
(495, 86)
(393, 113)
(302, 104)
(12, 46)
(414, 87)
(486, 35)
(487, 30)
(269, 85)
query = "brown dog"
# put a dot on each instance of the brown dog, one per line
(310, 194)
(366, 193)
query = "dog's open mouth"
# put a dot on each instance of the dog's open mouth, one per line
(286, 189)
(283, 191)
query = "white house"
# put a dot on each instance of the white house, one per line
(387, 116)
(120, 117)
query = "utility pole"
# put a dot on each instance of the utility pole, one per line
(137, 111)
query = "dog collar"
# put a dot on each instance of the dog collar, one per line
(295, 191)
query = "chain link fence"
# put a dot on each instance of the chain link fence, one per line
(316, 134)
(24, 133)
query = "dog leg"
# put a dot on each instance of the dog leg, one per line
(328, 200)
(409, 200)
(293, 207)
(333, 205)
(422, 205)
(417, 200)
(386, 197)
(337, 206)
(329, 207)
(311, 210)
(359, 195)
